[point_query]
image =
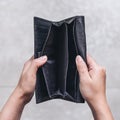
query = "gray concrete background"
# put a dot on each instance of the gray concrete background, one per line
(16, 46)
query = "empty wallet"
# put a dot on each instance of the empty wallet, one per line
(61, 41)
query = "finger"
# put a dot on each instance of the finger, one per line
(91, 62)
(82, 67)
(36, 63)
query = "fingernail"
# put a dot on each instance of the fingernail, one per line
(43, 58)
(78, 59)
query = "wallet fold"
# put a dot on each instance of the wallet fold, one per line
(61, 41)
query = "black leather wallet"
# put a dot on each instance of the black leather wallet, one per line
(61, 41)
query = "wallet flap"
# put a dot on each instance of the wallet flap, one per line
(80, 37)
(41, 32)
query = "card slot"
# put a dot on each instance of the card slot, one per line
(41, 42)
(50, 78)
(41, 34)
(80, 40)
(48, 70)
(50, 67)
(80, 45)
(71, 74)
(41, 88)
(79, 97)
(62, 56)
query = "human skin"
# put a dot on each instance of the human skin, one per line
(92, 87)
(23, 93)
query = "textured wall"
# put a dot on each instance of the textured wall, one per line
(16, 46)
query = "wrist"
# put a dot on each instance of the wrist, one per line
(99, 107)
(14, 106)
(97, 103)
(20, 96)
(101, 110)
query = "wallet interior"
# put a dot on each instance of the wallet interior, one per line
(58, 77)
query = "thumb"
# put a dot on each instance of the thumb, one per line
(81, 67)
(38, 62)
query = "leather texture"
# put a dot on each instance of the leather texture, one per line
(61, 42)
